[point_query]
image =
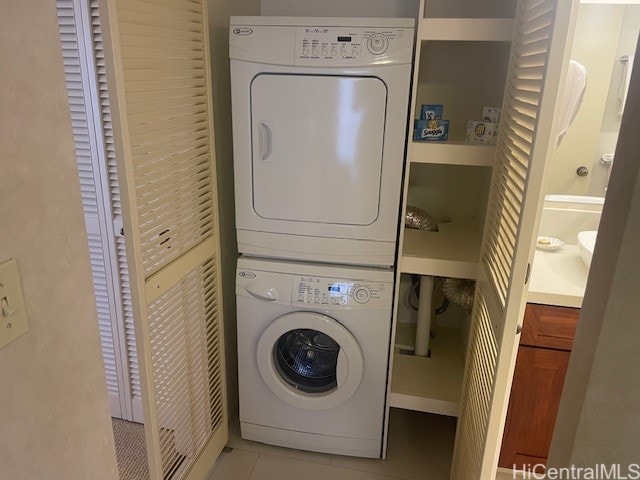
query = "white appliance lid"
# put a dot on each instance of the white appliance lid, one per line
(367, 274)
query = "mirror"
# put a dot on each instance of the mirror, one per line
(604, 42)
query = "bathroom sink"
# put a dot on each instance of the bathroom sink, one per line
(587, 242)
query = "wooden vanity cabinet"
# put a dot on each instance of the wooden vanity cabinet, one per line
(541, 366)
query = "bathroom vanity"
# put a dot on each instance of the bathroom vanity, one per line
(556, 290)
(541, 366)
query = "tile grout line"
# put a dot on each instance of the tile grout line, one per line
(331, 463)
(383, 475)
(254, 466)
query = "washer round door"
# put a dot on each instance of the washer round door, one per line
(309, 360)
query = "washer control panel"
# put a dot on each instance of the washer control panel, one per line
(351, 45)
(334, 293)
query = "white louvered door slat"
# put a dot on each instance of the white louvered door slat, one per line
(128, 353)
(158, 73)
(537, 66)
(88, 101)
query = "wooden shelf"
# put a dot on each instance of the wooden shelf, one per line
(452, 153)
(430, 384)
(454, 251)
(468, 29)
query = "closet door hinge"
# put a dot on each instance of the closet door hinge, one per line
(528, 274)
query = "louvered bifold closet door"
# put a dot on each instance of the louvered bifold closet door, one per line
(112, 190)
(158, 74)
(537, 66)
(88, 103)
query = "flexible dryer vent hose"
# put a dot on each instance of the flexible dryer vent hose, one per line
(459, 291)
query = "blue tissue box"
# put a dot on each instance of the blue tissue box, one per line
(431, 112)
(431, 130)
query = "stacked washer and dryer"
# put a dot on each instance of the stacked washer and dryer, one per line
(320, 108)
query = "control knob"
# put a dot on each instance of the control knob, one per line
(361, 294)
(377, 43)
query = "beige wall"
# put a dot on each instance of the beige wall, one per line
(53, 405)
(471, 8)
(340, 8)
(599, 416)
(595, 44)
(219, 13)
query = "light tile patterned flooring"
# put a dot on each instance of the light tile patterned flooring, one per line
(420, 448)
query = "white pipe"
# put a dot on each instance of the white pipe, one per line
(423, 326)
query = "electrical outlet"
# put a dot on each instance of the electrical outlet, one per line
(13, 315)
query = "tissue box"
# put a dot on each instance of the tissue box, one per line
(431, 112)
(431, 130)
(491, 114)
(484, 133)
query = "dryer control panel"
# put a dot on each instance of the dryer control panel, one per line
(332, 293)
(322, 42)
(332, 46)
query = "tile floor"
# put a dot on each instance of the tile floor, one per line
(420, 448)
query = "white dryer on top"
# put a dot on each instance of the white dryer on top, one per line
(319, 124)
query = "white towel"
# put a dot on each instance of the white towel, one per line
(572, 98)
(627, 67)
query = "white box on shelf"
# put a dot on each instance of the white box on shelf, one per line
(483, 133)
(491, 114)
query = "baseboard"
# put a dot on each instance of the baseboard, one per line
(508, 473)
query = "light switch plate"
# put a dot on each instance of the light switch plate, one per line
(13, 315)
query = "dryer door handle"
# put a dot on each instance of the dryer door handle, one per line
(262, 291)
(266, 143)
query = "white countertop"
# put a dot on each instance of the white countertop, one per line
(558, 278)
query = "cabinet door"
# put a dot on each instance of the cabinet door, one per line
(157, 67)
(533, 407)
(537, 69)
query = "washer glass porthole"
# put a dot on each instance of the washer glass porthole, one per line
(307, 360)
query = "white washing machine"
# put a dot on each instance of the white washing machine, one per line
(320, 111)
(313, 348)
